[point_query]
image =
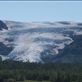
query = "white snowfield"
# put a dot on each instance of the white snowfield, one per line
(30, 40)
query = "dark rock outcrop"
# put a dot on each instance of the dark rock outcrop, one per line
(4, 50)
(3, 25)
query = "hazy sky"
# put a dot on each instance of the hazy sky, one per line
(41, 10)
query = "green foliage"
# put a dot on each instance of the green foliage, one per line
(35, 81)
(14, 71)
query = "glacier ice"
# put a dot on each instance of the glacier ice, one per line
(29, 40)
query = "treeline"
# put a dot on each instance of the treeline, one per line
(14, 71)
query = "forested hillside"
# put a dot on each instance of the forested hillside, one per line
(12, 71)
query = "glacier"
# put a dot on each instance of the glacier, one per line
(31, 41)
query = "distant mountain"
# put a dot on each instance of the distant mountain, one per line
(41, 41)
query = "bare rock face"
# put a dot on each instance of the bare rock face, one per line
(4, 49)
(3, 25)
